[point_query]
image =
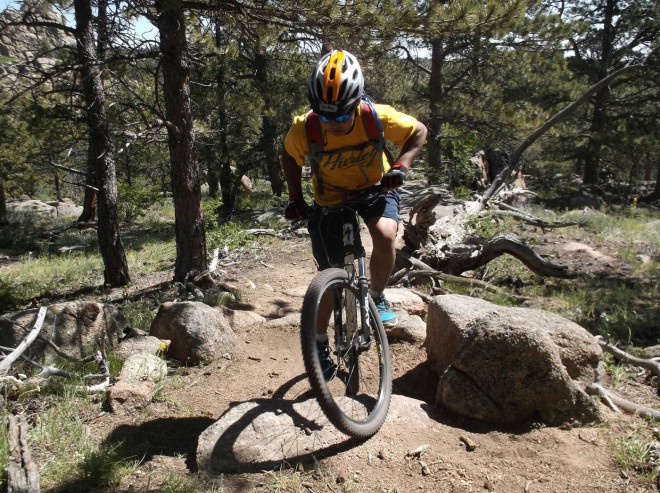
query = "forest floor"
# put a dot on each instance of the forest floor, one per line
(272, 282)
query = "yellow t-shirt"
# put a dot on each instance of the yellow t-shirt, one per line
(350, 169)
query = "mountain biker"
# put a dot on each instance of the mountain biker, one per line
(350, 161)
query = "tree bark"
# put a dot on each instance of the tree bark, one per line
(599, 116)
(186, 189)
(269, 128)
(99, 152)
(22, 471)
(436, 90)
(222, 147)
(3, 204)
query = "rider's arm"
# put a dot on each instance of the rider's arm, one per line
(412, 146)
(292, 174)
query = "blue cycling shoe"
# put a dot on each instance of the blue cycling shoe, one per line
(387, 315)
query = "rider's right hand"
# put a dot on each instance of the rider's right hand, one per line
(296, 209)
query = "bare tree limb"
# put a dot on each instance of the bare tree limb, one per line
(620, 402)
(425, 269)
(66, 168)
(9, 360)
(527, 219)
(647, 364)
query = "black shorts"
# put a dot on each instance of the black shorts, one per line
(326, 231)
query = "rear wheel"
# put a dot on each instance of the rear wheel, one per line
(357, 396)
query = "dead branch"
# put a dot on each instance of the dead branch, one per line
(22, 471)
(425, 297)
(471, 257)
(426, 269)
(526, 218)
(261, 231)
(191, 287)
(46, 371)
(9, 360)
(647, 364)
(620, 402)
(66, 168)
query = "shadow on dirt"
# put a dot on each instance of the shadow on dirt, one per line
(172, 437)
(418, 383)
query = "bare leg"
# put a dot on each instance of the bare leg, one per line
(323, 314)
(383, 234)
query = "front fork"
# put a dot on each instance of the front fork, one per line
(364, 341)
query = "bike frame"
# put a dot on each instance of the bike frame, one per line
(353, 250)
(361, 281)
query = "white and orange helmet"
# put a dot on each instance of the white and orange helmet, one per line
(336, 84)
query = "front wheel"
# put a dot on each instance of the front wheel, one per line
(356, 397)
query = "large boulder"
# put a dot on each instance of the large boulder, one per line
(198, 333)
(78, 328)
(510, 365)
(30, 211)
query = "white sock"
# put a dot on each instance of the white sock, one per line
(374, 294)
(322, 338)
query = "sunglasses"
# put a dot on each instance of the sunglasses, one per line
(338, 119)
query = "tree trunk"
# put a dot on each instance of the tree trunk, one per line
(3, 204)
(186, 189)
(655, 195)
(270, 147)
(599, 118)
(222, 171)
(435, 94)
(88, 212)
(269, 128)
(99, 152)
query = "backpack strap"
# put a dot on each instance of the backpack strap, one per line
(374, 129)
(372, 126)
(315, 145)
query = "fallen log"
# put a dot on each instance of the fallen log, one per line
(22, 471)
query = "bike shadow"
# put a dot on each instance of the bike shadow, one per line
(270, 433)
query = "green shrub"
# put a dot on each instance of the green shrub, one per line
(134, 200)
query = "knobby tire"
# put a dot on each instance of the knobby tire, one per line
(355, 400)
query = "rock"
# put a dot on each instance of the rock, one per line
(291, 319)
(265, 433)
(141, 344)
(246, 183)
(241, 319)
(652, 351)
(411, 328)
(30, 211)
(143, 366)
(508, 365)
(403, 299)
(66, 208)
(262, 433)
(77, 328)
(126, 396)
(199, 333)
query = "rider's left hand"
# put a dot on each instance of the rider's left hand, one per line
(394, 177)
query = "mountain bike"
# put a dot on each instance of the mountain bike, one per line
(356, 397)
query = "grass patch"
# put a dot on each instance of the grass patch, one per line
(36, 276)
(70, 458)
(4, 449)
(606, 306)
(636, 453)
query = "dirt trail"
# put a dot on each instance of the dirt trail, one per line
(272, 283)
